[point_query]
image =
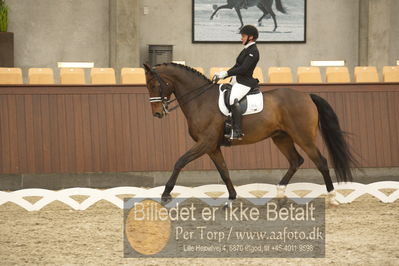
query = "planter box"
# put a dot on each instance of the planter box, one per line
(6, 49)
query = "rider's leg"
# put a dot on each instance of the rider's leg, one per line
(237, 116)
(238, 91)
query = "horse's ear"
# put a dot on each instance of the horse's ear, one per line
(147, 68)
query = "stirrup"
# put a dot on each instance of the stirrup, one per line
(234, 135)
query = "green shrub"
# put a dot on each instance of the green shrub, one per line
(3, 16)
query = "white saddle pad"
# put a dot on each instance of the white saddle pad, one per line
(255, 103)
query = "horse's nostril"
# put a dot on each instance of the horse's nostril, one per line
(157, 114)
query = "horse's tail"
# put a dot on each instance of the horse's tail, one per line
(280, 7)
(333, 136)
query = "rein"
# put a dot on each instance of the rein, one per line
(189, 99)
(164, 100)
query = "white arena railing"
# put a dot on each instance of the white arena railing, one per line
(244, 191)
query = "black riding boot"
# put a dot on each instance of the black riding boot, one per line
(236, 132)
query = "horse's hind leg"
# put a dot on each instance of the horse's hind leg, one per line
(218, 160)
(265, 13)
(239, 15)
(195, 152)
(286, 145)
(274, 19)
(268, 8)
(260, 20)
(321, 163)
(220, 7)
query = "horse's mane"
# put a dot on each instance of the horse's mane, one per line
(187, 68)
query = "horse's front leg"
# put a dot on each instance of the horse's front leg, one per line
(260, 20)
(239, 16)
(217, 9)
(274, 20)
(218, 160)
(199, 149)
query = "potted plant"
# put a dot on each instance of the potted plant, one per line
(6, 38)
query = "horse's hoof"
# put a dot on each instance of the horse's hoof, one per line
(333, 204)
(274, 29)
(215, 7)
(280, 194)
(227, 204)
(331, 200)
(166, 199)
(281, 202)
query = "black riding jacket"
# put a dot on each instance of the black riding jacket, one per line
(245, 65)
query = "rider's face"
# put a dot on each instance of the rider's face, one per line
(244, 38)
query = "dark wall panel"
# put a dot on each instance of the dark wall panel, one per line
(76, 129)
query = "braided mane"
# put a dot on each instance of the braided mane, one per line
(187, 68)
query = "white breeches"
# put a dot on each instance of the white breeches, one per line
(238, 91)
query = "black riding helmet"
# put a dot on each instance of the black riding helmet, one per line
(250, 31)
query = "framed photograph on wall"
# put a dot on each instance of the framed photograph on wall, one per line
(219, 21)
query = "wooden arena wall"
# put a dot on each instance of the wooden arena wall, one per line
(79, 129)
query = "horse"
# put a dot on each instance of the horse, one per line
(289, 117)
(264, 5)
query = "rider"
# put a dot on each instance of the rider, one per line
(242, 79)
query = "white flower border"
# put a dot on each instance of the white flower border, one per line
(110, 195)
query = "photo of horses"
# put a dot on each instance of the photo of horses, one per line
(221, 20)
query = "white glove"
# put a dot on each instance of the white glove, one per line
(221, 74)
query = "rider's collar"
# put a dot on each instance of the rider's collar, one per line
(248, 45)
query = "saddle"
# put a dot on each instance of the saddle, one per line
(252, 103)
(243, 102)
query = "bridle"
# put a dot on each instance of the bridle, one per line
(164, 99)
(162, 84)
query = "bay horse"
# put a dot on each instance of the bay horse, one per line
(289, 116)
(264, 5)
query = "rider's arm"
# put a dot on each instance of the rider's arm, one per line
(250, 59)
